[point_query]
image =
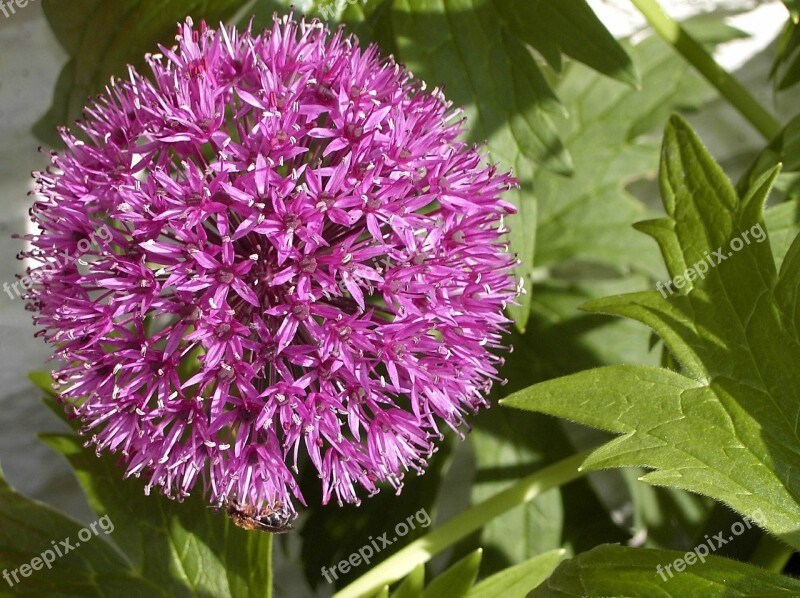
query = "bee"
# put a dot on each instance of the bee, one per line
(273, 519)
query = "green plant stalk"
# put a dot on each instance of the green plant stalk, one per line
(462, 525)
(268, 565)
(733, 91)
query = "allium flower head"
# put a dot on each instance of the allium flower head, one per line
(300, 262)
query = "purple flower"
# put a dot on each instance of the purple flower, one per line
(301, 261)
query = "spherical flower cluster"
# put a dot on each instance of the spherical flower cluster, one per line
(299, 262)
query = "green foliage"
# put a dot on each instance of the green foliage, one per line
(786, 67)
(94, 568)
(572, 111)
(621, 571)
(784, 149)
(160, 546)
(726, 427)
(794, 9)
(411, 586)
(516, 581)
(102, 37)
(588, 218)
(586, 248)
(332, 533)
(458, 581)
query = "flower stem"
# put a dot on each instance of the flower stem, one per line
(270, 570)
(462, 525)
(741, 99)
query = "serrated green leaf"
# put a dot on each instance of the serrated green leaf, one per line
(517, 581)
(728, 426)
(634, 573)
(456, 581)
(588, 217)
(30, 530)
(103, 37)
(569, 27)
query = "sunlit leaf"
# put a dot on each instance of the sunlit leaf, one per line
(727, 425)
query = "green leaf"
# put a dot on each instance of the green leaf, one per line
(785, 70)
(517, 581)
(103, 36)
(641, 573)
(726, 427)
(184, 548)
(44, 382)
(588, 217)
(411, 586)
(783, 149)
(783, 223)
(506, 448)
(457, 580)
(570, 28)
(332, 533)
(30, 530)
(794, 9)
(709, 29)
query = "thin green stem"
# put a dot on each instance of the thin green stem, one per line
(741, 99)
(771, 554)
(462, 525)
(270, 580)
